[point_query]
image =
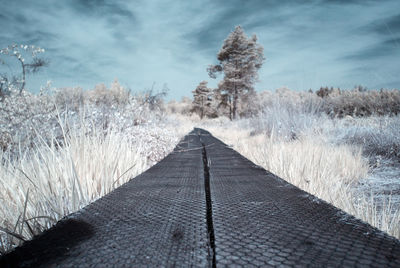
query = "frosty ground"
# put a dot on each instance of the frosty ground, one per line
(65, 148)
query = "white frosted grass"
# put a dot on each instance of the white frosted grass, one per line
(69, 147)
(379, 136)
(109, 136)
(324, 155)
(53, 180)
(383, 215)
(313, 163)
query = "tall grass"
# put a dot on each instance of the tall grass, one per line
(377, 135)
(86, 145)
(327, 171)
(324, 145)
(53, 180)
(90, 142)
(325, 156)
(336, 102)
(362, 103)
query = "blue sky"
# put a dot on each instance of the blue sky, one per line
(307, 44)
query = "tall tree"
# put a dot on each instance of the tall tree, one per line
(201, 99)
(239, 59)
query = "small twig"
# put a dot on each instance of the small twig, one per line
(30, 228)
(27, 177)
(123, 174)
(41, 217)
(24, 212)
(20, 237)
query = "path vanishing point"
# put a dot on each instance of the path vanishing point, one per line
(205, 205)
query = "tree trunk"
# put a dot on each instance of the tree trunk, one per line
(235, 100)
(23, 77)
(230, 108)
(235, 91)
(202, 108)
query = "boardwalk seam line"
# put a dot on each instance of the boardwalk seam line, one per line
(210, 226)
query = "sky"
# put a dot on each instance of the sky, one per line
(307, 44)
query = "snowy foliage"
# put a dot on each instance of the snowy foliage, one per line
(239, 59)
(10, 83)
(182, 107)
(378, 136)
(358, 102)
(62, 140)
(64, 148)
(351, 162)
(26, 117)
(202, 100)
(285, 114)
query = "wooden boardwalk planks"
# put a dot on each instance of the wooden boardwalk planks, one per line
(206, 205)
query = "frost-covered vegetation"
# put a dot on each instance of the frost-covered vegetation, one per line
(64, 148)
(351, 161)
(19, 54)
(240, 58)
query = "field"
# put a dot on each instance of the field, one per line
(65, 148)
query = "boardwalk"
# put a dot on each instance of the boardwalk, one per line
(206, 205)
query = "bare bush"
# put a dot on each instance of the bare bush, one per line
(153, 99)
(22, 114)
(21, 53)
(378, 136)
(182, 107)
(115, 95)
(69, 98)
(285, 113)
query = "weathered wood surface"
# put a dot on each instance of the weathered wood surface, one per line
(206, 205)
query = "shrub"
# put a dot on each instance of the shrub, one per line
(363, 103)
(115, 107)
(182, 107)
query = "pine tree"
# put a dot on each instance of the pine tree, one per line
(239, 59)
(201, 99)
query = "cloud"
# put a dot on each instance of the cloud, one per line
(249, 14)
(306, 43)
(373, 52)
(383, 39)
(102, 8)
(395, 42)
(348, 2)
(386, 26)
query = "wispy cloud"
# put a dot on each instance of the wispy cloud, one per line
(307, 43)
